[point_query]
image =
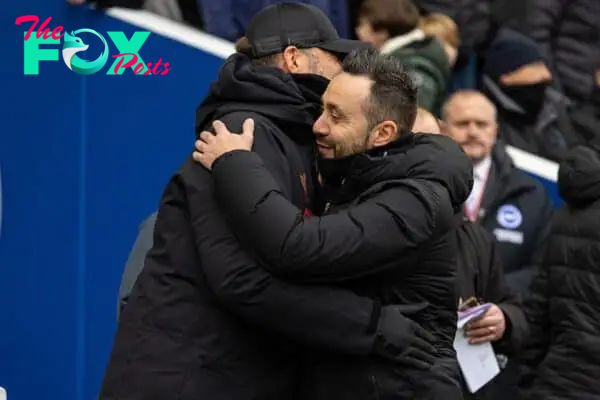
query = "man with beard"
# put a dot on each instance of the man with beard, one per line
(393, 202)
(203, 320)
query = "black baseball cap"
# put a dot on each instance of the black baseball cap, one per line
(281, 25)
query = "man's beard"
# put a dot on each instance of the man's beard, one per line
(359, 144)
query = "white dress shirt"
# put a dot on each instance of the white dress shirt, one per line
(480, 176)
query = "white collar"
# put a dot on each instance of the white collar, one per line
(398, 42)
(482, 168)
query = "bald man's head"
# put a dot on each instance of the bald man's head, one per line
(426, 122)
(470, 119)
(467, 95)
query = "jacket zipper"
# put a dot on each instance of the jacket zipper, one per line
(328, 204)
(374, 387)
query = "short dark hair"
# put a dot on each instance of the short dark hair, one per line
(396, 17)
(243, 46)
(393, 94)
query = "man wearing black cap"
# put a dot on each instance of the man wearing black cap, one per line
(279, 29)
(203, 320)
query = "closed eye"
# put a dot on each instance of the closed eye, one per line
(334, 112)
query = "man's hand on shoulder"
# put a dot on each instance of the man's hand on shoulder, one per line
(211, 146)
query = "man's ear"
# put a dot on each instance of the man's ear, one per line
(292, 62)
(384, 133)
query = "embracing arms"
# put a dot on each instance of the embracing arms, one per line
(396, 217)
(326, 317)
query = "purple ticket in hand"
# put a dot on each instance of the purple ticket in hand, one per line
(473, 313)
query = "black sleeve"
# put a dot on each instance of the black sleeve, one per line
(544, 227)
(522, 277)
(543, 20)
(498, 291)
(358, 241)
(328, 318)
(538, 315)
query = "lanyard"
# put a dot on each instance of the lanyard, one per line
(474, 214)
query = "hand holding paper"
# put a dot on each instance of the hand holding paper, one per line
(477, 361)
(489, 328)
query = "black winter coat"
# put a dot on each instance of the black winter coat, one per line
(562, 355)
(204, 321)
(389, 236)
(569, 33)
(517, 210)
(480, 275)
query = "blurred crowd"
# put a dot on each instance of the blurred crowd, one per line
(538, 61)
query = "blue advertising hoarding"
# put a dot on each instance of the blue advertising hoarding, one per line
(83, 160)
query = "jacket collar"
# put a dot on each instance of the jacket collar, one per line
(401, 41)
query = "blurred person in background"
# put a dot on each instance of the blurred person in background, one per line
(480, 276)
(532, 114)
(511, 205)
(426, 122)
(568, 32)
(186, 11)
(225, 19)
(445, 29)
(507, 202)
(477, 29)
(203, 319)
(229, 19)
(388, 228)
(392, 26)
(473, 17)
(561, 360)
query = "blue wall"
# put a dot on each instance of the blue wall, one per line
(83, 161)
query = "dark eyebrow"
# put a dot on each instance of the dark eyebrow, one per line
(333, 107)
(476, 120)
